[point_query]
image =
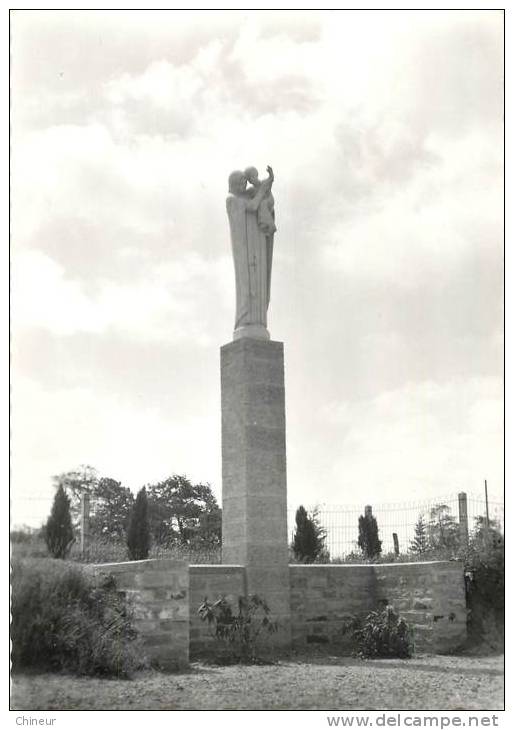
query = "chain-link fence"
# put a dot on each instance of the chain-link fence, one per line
(341, 522)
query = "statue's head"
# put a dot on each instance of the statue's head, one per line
(236, 182)
(252, 175)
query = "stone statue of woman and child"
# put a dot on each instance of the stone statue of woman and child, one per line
(251, 216)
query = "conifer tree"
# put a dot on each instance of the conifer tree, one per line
(58, 530)
(309, 538)
(368, 540)
(421, 542)
(138, 533)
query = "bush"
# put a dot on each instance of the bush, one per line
(138, 534)
(485, 587)
(58, 531)
(384, 634)
(239, 631)
(61, 621)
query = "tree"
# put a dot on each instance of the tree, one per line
(368, 540)
(75, 483)
(138, 534)
(309, 539)
(112, 504)
(443, 530)
(58, 531)
(183, 513)
(420, 544)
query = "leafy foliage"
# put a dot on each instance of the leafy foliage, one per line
(420, 543)
(309, 539)
(384, 634)
(443, 531)
(138, 533)
(485, 583)
(61, 621)
(368, 540)
(75, 483)
(112, 506)
(58, 531)
(240, 630)
(182, 513)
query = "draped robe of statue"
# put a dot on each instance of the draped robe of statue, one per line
(250, 249)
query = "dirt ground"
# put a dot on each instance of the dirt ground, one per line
(326, 683)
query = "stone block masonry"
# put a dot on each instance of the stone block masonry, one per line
(254, 493)
(166, 595)
(430, 596)
(159, 593)
(211, 582)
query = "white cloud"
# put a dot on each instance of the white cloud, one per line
(171, 305)
(421, 440)
(384, 131)
(132, 443)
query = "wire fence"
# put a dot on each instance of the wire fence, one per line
(341, 521)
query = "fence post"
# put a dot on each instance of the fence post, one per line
(396, 544)
(84, 522)
(463, 518)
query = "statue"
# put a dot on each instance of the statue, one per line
(252, 227)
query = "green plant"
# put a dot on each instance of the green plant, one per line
(420, 544)
(308, 544)
(240, 630)
(443, 531)
(485, 582)
(62, 621)
(138, 534)
(384, 634)
(58, 531)
(368, 540)
(183, 513)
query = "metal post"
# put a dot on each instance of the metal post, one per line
(396, 544)
(84, 522)
(463, 519)
(486, 507)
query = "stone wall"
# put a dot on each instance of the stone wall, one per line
(430, 596)
(166, 595)
(212, 582)
(159, 593)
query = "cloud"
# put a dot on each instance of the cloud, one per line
(421, 439)
(384, 130)
(171, 304)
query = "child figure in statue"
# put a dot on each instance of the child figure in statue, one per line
(266, 209)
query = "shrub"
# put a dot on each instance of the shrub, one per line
(62, 621)
(485, 584)
(239, 631)
(58, 531)
(138, 534)
(384, 634)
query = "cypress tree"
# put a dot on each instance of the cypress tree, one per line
(368, 540)
(138, 533)
(309, 538)
(58, 530)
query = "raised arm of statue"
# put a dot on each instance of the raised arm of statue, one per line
(263, 190)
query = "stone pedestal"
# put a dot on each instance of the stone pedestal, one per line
(254, 471)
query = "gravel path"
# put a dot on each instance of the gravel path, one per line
(326, 683)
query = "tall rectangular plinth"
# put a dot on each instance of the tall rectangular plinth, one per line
(254, 471)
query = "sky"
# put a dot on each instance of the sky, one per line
(384, 130)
